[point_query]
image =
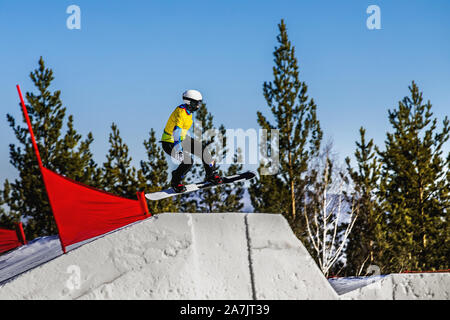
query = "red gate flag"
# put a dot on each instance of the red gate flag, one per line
(11, 239)
(82, 212)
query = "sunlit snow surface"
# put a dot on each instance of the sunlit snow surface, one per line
(44, 249)
(210, 249)
(31, 255)
(344, 285)
(26, 257)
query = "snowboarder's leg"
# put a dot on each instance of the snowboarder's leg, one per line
(179, 173)
(195, 147)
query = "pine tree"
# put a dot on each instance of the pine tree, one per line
(414, 188)
(118, 175)
(211, 198)
(366, 240)
(269, 193)
(153, 176)
(227, 198)
(204, 200)
(232, 194)
(7, 220)
(68, 155)
(299, 136)
(202, 121)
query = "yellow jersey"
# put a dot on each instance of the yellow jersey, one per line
(181, 118)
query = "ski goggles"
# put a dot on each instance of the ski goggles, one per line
(194, 105)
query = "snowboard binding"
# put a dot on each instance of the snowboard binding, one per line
(211, 174)
(215, 179)
(178, 187)
(176, 183)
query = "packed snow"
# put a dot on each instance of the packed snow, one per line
(195, 256)
(26, 257)
(344, 285)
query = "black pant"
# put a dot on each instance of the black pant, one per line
(190, 147)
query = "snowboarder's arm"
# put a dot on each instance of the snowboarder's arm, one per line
(177, 139)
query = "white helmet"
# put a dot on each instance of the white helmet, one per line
(193, 99)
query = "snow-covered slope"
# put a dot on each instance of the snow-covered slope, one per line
(181, 256)
(26, 257)
(195, 256)
(422, 286)
(344, 285)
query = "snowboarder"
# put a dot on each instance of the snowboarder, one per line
(180, 146)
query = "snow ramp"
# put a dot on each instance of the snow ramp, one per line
(420, 286)
(182, 256)
(240, 256)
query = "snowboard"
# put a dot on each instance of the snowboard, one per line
(200, 185)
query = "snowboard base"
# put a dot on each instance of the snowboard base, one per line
(199, 186)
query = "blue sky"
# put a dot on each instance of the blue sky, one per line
(131, 61)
